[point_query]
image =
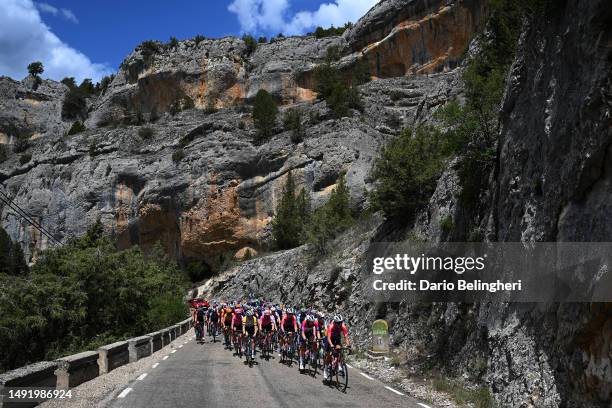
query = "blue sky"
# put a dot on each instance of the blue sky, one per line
(90, 38)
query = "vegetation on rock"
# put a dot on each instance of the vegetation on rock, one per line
(264, 114)
(292, 213)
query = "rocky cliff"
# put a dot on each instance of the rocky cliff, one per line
(551, 183)
(221, 196)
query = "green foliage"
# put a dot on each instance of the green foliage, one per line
(12, 260)
(330, 219)
(145, 133)
(264, 114)
(292, 212)
(478, 398)
(334, 88)
(180, 104)
(446, 224)
(178, 155)
(149, 48)
(407, 171)
(210, 108)
(247, 255)
(293, 122)
(4, 152)
(25, 158)
(87, 87)
(77, 127)
(262, 40)
(21, 144)
(173, 43)
(70, 82)
(36, 68)
(321, 32)
(198, 39)
(74, 105)
(85, 294)
(104, 83)
(241, 125)
(250, 43)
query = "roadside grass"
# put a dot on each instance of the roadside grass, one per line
(479, 398)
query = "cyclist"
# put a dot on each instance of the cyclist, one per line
(249, 329)
(200, 320)
(267, 323)
(310, 332)
(236, 327)
(213, 318)
(335, 332)
(289, 325)
(226, 322)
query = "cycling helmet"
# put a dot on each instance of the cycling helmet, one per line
(267, 312)
(249, 313)
(338, 318)
(273, 309)
(238, 310)
(310, 318)
(290, 311)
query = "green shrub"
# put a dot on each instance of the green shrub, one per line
(289, 223)
(180, 104)
(198, 39)
(178, 155)
(87, 88)
(264, 114)
(74, 105)
(210, 107)
(21, 144)
(446, 224)
(70, 82)
(145, 133)
(25, 158)
(407, 171)
(293, 122)
(12, 260)
(173, 43)
(84, 294)
(77, 127)
(321, 32)
(241, 125)
(149, 48)
(262, 40)
(104, 83)
(250, 43)
(330, 219)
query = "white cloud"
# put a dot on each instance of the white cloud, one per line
(54, 11)
(24, 38)
(256, 16)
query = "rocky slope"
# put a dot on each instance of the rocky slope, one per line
(551, 183)
(220, 197)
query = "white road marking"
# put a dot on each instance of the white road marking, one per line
(155, 365)
(173, 351)
(165, 358)
(349, 366)
(124, 393)
(366, 376)
(395, 391)
(423, 405)
(181, 346)
(141, 377)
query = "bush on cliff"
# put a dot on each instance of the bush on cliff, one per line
(84, 294)
(264, 114)
(12, 261)
(292, 213)
(330, 219)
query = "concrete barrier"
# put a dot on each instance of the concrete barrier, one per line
(156, 341)
(185, 326)
(165, 333)
(139, 347)
(41, 374)
(77, 369)
(112, 356)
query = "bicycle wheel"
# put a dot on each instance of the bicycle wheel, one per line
(343, 375)
(314, 363)
(214, 333)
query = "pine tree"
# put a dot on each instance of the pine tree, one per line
(264, 113)
(288, 227)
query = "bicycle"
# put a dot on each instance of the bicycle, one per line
(311, 356)
(199, 331)
(266, 345)
(248, 349)
(288, 349)
(237, 340)
(226, 338)
(213, 333)
(338, 369)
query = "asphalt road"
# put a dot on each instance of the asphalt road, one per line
(206, 375)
